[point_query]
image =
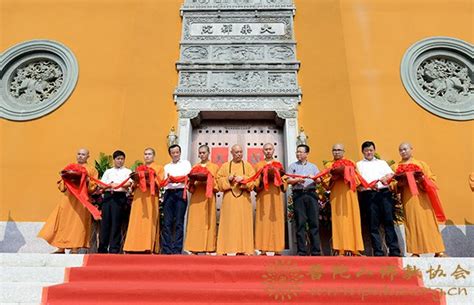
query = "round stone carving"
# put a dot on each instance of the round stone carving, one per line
(437, 72)
(36, 77)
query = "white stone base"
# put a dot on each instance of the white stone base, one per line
(445, 274)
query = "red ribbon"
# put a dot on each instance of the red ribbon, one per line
(350, 174)
(198, 169)
(141, 171)
(431, 189)
(80, 191)
(177, 179)
(108, 185)
(276, 166)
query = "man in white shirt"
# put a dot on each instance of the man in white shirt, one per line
(114, 204)
(377, 203)
(174, 205)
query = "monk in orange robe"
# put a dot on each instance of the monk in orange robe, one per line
(143, 233)
(69, 225)
(235, 234)
(421, 227)
(270, 214)
(201, 234)
(345, 215)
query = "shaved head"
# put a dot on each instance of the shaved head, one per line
(237, 153)
(82, 155)
(406, 150)
(268, 151)
(338, 151)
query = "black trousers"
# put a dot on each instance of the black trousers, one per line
(307, 212)
(378, 206)
(174, 209)
(113, 207)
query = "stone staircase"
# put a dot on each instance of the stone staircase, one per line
(23, 275)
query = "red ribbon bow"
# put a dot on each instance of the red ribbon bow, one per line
(431, 189)
(209, 180)
(142, 170)
(80, 191)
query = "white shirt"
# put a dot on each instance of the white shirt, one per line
(373, 170)
(116, 175)
(180, 168)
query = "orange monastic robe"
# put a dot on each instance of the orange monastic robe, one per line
(143, 233)
(421, 226)
(270, 215)
(69, 225)
(236, 218)
(201, 232)
(345, 215)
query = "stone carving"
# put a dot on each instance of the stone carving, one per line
(281, 52)
(234, 106)
(301, 138)
(36, 77)
(195, 53)
(267, 103)
(240, 3)
(281, 80)
(437, 73)
(188, 114)
(36, 82)
(238, 79)
(445, 80)
(238, 53)
(238, 28)
(172, 138)
(193, 80)
(286, 114)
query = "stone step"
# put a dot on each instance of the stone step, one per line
(40, 260)
(24, 292)
(32, 274)
(23, 276)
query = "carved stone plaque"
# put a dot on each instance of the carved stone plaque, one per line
(438, 74)
(36, 77)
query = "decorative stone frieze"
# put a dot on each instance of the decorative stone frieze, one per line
(437, 72)
(36, 77)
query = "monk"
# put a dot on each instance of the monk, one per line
(236, 219)
(270, 214)
(345, 215)
(69, 225)
(201, 231)
(421, 226)
(144, 224)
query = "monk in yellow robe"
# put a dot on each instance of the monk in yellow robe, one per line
(201, 233)
(69, 225)
(345, 215)
(236, 219)
(270, 214)
(421, 227)
(143, 233)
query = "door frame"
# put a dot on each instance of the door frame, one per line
(188, 118)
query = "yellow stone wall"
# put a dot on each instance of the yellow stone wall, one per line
(350, 76)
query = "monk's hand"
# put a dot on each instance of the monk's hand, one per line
(231, 178)
(318, 180)
(238, 179)
(300, 181)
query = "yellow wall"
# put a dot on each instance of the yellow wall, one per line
(350, 52)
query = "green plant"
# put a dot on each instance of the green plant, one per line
(136, 164)
(103, 163)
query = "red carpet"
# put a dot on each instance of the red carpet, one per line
(183, 279)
